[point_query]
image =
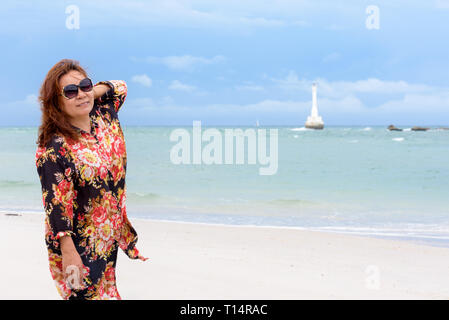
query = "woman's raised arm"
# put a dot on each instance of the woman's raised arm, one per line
(116, 94)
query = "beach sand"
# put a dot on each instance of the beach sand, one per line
(199, 261)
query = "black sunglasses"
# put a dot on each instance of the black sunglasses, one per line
(71, 91)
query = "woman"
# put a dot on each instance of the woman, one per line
(81, 162)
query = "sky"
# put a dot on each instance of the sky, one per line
(229, 62)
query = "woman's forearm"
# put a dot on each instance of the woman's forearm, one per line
(100, 90)
(70, 259)
(67, 245)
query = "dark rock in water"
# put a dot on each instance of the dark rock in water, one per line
(393, 128)
(419, 129)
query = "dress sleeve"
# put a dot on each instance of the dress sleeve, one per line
(115, 96)
(58, 194)
(128, 240)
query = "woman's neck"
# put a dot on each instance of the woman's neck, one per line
(82, 123)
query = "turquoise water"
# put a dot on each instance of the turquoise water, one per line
(364, 180)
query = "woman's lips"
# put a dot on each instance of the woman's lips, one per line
(83, 104)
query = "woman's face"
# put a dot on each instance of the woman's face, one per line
(81, 105)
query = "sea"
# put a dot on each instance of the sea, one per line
(363, 180)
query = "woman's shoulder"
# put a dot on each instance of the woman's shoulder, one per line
(54, 148)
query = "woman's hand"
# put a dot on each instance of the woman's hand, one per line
(72, 265)
(142, 257)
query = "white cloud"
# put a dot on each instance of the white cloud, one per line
(344, 88)
(22, 112)
(261, 22)
(442, 4)
(418, 104)
(334, 56)
(348, 104)
(402, 101)
(234, 15)
(338, 102)
(371, 85)
(335, 27)
(250, 87)
(267, 106)
(413, 109)
(200, 13)
(178, 85)
(30, 99)
(291, 82)
(181, 63)
(299, 23)
(142, 79)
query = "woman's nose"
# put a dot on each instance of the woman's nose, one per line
(81, 94)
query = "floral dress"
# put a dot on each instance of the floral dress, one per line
(84, 194)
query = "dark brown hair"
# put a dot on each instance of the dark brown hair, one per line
(54, 119)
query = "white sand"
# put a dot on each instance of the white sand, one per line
(194, 261)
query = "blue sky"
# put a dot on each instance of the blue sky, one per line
(235, 62)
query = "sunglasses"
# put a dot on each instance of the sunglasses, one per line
(71, 91)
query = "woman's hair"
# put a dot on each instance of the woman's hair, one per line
(54, 119)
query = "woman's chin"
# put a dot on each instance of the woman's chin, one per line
(86, 109)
